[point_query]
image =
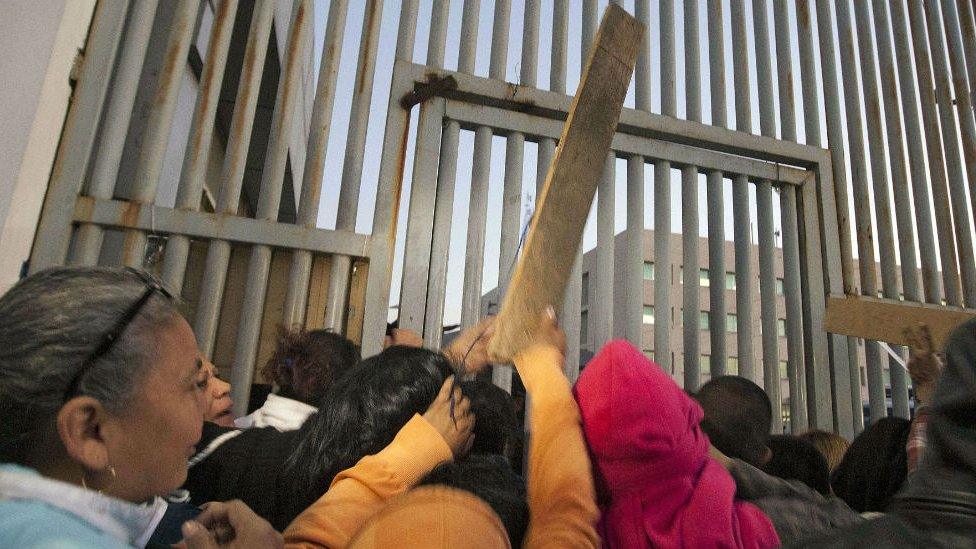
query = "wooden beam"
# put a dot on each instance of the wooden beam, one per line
(554, 237)
(892, 321)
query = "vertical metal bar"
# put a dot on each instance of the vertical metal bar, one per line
(160, 122)
(933, 139)
(967, 128)
(916, 155)
(511, 211)
(601, 306)
(631, 309)
(669, 93)
(767, 300)
(314, 172)
(387, 196)
(813, 315)
(662, 201)
(691, 303)
(740, 200)
(796, 371)
(420, 219)
(480, 170)
(232, 174)
(446, 181)
(862, 206)
(514, 153)
(662, 265)
(715, 196)
(419, 250)
(968, 24)
(950, 140)
(835, 125)
(784, 72)
(764, 210)
(642, 76)
(78, 138)
(269, 202)
(572, 321)
(764, 69)
(633, 260)
(879, 172)
(352, 162)
(843, 350)
(197, 153)
(118, 113)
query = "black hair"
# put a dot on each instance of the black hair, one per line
(359, 416)
(306, 363)
(875, 466)
(490, 478)
(494, 412)
(796, 459)
(738, 417)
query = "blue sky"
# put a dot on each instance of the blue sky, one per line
(384, 64)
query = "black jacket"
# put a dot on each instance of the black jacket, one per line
(937, 506)
(243, 464)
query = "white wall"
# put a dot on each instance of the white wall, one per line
(38, 44)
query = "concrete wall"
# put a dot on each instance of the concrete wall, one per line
(39, 41)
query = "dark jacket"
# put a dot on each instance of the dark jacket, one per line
(246, 465)
(937, 506)
(796, 510)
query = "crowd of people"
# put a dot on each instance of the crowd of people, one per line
(115, 431)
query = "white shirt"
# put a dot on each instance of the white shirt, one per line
(284, 414)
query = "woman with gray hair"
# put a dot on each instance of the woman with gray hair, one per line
(102, 397)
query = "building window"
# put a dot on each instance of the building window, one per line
(649, 353)
(648, 314)
(584, 331)
(779, 286)
(733, 368)
(729, 281)
(681, 275)
(703, 279)
(781, 327)
(784, 371)
(648, 270)
(585, 297)
(703, 320)
(731, 323)
(706, 364)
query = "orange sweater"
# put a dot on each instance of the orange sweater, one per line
(562, 506)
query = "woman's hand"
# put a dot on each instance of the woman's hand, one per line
(549, 333)
(229, 524)
(456, 428)
(469, 350)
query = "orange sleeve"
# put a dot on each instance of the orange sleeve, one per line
(562, 501)
(359, 492)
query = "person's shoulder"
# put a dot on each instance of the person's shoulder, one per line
(36, 525)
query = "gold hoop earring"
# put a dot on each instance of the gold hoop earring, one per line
(111, 471)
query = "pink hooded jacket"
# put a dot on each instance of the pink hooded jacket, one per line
(658, 487)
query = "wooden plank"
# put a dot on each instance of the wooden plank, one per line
(554, 237)
(892, 321)
(318, 292)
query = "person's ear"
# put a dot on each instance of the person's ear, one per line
(767, 455)
(81, 426)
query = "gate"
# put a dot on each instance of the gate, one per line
(799, 231)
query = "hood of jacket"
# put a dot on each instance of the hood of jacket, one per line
(658, 485)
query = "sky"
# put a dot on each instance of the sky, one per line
(380, 97)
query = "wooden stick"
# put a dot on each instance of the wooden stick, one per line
(554, 237)
(892, 321)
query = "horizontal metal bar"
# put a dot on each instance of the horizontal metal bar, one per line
(130, 215)
(547, 104)
(503, 121)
